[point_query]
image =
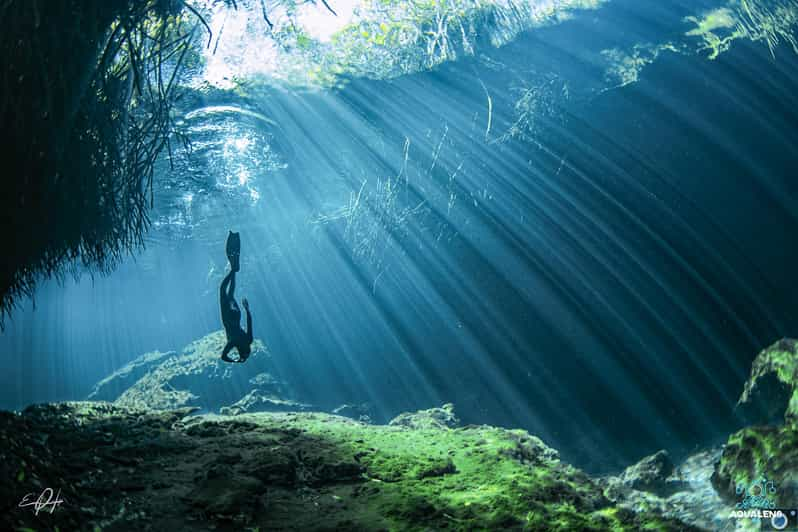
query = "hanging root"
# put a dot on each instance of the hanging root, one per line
(86, 107)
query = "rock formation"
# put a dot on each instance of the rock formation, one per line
(152, 459)
(437, 418)
(759, 464)
(197, 377)
(135, 468)
(773, 383)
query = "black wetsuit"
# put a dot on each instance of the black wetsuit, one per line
(231, 318)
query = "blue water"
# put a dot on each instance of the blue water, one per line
(602, 278)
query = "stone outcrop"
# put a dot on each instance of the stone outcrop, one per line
(759, 464)
(135, 468)
(255, 401)
(267, 458)
(682, 492)
(111, 387)
(771, 390)
(360, 412)
(652, 474)
(759, 467)
(437, 418)
(197, 377)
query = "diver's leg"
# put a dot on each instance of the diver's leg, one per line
(224, 301)
(233, 249)
(231, 290)
(228, 346)
(223, 289)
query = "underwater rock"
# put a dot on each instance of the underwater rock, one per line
(529, 449)
(652, 474)
(197, 377)
(772, 388)
(759, 467)
(265, 381)
(759, 464)
(434, 418)
(224, 492)
(360, 412)
(690, 496)
(255, 401)
(124, 468)
(115, 384)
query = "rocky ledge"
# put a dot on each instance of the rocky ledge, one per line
(190, 444)
(128, 468)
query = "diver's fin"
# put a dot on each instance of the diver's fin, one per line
(234, 250)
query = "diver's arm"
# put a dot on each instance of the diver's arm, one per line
(249, 326)
(249, 320)
(226, 350)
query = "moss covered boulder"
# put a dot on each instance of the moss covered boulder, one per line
(759, 464)
(759, 467)
(771, 390)
(440, 418)
(125, 468)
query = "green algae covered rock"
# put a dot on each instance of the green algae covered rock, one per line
(773, 383)
(759, 467)
(440, 418)
(759, 464)
(169, 470)
(360, 412)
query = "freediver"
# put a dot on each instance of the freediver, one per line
(231, 313)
